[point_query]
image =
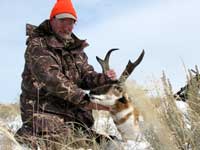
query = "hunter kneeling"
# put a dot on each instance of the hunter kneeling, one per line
(55, 74)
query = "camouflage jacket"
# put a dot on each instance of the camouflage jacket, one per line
(55, 72)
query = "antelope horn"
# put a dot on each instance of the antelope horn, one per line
(105, 63)
(197, 70)
(130, 67)
(193, 71)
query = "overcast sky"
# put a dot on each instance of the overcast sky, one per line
(168, 31)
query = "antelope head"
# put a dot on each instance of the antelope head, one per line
(113, 93)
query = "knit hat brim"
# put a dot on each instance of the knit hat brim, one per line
(65, 15)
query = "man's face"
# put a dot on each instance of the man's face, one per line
(63, 27)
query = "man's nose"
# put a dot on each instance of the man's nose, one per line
(68, 28)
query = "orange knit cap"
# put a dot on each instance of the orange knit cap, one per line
(63, 6)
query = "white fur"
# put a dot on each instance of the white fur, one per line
(105, 100)
(128, 130)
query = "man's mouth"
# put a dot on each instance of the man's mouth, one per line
(65, 35)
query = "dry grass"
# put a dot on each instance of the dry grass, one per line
(76, 140)
(173, 117)
(164, 126)
(153, 127)
(9, 110)
(194, 111)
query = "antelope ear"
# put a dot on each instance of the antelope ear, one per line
(123, 100)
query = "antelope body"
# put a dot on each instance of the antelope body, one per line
(124, 114)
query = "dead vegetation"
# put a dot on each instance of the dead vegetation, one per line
(164, 126)
(9, 110)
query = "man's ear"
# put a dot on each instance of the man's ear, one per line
(123, 100)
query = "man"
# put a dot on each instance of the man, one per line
(55, 74)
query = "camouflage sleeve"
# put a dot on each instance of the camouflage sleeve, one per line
(90, 78)
(47, 70)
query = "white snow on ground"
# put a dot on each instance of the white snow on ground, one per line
(7, 129)
(182, 106)
(15, 124)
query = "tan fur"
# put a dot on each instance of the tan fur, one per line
(126, 121)
(122, 120)
(122, 115)
(136, 114)
(118, 107)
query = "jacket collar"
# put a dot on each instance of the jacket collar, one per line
(44, 29)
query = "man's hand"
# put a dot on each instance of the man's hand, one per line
(95, 106)
(111, 74)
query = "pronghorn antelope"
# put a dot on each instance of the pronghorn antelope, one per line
(124, 114)
(182, 94)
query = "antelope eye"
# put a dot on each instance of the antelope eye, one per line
(118, 88)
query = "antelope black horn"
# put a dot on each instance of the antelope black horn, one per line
(130, 67)
(105, 63)
(193, 71)
(197, 70)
